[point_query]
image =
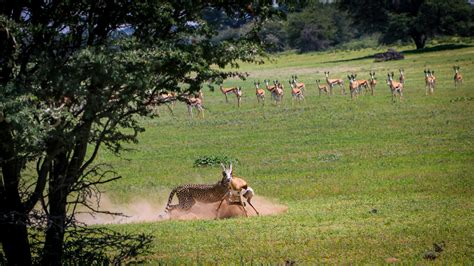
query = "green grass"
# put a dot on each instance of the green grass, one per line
(330, 160)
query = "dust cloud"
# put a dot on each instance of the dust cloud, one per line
(142, 210)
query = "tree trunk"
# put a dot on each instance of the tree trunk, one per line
(65, 171)
(13, 230)
(58, 190)
(420, 40)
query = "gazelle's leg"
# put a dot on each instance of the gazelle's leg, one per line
(190, 110)
(241, 205)
(223, 198)
(253, 207)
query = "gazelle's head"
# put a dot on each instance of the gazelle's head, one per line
(226, 174)
(372, 75)
(389, 78)
(326, 74)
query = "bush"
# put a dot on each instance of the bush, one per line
(213, 160)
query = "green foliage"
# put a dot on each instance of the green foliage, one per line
(416, 20)
(318, 27)
(214, 160)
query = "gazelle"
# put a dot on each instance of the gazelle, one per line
(234, 90)
(296, 93)
(276, 90)
(322, 88)
(189, 194)
(402, 76)
(269, 88)
(353, 85)
(372, 82)
(194, 101)
(395, 87)
(457, 76)
(362, 83)
(259, 92)
(238, 188)
(298, 85)
(429, 82)
(238, 94)
(334, 82)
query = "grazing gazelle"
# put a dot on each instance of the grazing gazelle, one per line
(296, 84)
(372, 82)
(429, 82)
(334, 82)
(189, 194)
(402, 76)
(234, 90)
(353, 85)
(259, 92)
(395, 87)
(322, 88)
(296, 93)
(238, 188)
(457, 76)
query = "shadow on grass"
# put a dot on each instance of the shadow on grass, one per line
(437, 48)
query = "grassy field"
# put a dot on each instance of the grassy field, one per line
(332, 161)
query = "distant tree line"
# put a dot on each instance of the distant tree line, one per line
(315, 26)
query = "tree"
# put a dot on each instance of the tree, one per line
(317, 27)
(74, 78)
(411, 19)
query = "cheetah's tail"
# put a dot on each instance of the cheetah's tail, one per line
(168, 206)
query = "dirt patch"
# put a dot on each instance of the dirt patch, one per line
(145, 211)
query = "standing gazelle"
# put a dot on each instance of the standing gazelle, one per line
(457, 76)
(296, 84)
(296, 92)
(322, 88)
(429, 82)
(234, 90)
(195, 101)
(402, 76)
(372, 82)
(259, 92)
(395, 87)
(353, 85)
(334, 82)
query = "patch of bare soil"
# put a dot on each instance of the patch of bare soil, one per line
(145, 211)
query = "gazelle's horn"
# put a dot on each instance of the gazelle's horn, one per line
(223, 166)
(230, 167)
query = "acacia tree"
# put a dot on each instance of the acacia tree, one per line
(75, 76)
(411, 19)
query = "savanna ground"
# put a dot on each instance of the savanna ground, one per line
(364, 180)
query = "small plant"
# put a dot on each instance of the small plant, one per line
(329, 157)
(214, 160)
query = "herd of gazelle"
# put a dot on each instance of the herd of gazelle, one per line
(229, 188)
(195, 101)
